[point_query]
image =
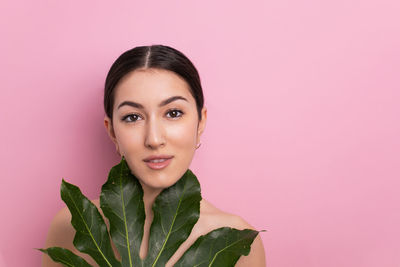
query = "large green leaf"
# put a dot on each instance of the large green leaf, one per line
(65, 257)
(220, 247)
(91, 231)
(176, 210)
(122, 203)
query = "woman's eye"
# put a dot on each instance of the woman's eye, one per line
(174, 113)
(131, 118)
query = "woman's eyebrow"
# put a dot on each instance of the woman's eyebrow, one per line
(171, 99)
(163, 103)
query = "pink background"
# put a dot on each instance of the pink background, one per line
(303, 124)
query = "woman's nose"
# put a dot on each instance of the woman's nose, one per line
(154, 134)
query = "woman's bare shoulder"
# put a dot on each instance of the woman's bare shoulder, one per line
(61, 231)
(215, 217)
(212, 218)
(61, 234)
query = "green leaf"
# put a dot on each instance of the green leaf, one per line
(65, 257)
(91, 231)
(220, 247)
(121, 200)
(176, 210)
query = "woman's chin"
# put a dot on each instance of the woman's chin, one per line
(158, 183)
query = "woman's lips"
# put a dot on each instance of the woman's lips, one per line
(158, 165)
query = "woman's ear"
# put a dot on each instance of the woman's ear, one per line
(109, 128)
(202, 123)
(111, 133)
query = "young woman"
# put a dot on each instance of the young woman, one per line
(155, 116)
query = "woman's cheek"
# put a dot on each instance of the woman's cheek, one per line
(130, 140)
(182, 134)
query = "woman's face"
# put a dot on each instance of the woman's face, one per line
(154, 114)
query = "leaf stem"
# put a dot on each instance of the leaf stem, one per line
(126, 226)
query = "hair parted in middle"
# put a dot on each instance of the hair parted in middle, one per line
(153, 56)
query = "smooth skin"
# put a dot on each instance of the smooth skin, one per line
(155, 127)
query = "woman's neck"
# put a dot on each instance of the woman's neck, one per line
(149, 196)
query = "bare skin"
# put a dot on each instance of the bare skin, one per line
(154, 113)
(61, 234)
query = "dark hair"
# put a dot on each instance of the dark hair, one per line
(154, 56)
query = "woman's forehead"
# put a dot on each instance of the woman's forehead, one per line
(151, 86)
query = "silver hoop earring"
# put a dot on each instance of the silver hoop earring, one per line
(198, 145)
